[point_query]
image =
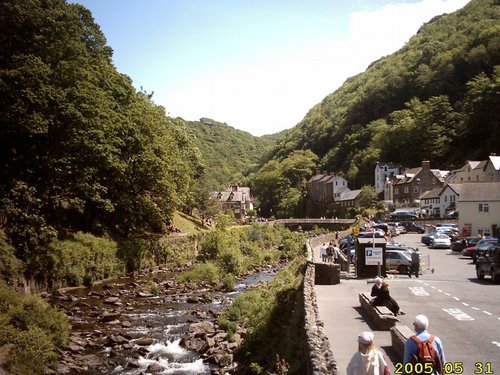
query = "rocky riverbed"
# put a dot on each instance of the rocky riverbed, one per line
(149, 325)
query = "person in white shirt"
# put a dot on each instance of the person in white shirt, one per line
(322, 252)
(368, 360)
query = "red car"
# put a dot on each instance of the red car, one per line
(471, 251)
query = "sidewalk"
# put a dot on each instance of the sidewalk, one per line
(339, 309)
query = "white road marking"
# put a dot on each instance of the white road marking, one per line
(456, 298)
(487, 313)
(496, 342)
(440, 291)
(475, 308)
(419, 291)
(465, 304)
(447, 294)
(458, 314)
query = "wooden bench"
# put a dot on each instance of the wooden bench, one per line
(381, 317)
(399, 335)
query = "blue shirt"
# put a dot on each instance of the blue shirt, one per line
(411, 347)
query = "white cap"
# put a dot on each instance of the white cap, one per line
(366, 337)
(421, 322)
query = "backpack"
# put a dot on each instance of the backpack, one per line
(426, 353)
(329, 251)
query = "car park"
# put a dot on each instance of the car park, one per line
(412, 227)
(440, 241)
(488, 263)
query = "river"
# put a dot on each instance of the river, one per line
(134, 326)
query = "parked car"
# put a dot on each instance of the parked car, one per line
(488, 263)
(412, 227)
(459, 245)
(398, 228)
(441, 240)
(403, 215)
(448, 225)
(482, 244)
(397, 260)
(428, 237)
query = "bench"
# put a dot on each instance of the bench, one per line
(381, 317)
(399, 335)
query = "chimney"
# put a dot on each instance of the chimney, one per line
(426, 164)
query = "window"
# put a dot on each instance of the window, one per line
(416, 189)
(406, 190)
(484, 207)
(446, 198)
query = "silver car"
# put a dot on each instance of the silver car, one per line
(398, 260)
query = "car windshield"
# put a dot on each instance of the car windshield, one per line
(441, 236)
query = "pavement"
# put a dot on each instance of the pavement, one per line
(339, 309)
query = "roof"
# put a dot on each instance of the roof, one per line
(225, 196)
(480, 192)
(348, 195)
(457, 188)
(430, 194)
(316, 177)
(495, 161)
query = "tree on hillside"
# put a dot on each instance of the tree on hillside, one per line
(280, 186)
(78, 142)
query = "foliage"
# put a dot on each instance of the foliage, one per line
(271, 330)
(228, 154)
(82, 150)
(79, 260)
(35, 329)
(435, 99)
(207, 271)
(11, 268)
(281, 185)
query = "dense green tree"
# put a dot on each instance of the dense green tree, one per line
(81, 149)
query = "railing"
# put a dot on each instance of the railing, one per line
(314, 221)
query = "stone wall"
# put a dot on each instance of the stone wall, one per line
(319, 354)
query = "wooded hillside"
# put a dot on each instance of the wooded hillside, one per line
(436, 99)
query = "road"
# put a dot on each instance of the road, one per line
(463, 311)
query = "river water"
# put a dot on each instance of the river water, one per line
(115, 310)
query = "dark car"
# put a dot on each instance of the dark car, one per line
(459, 245)
(488, 263)
(482, 244)
(412, 227)
(403, 215)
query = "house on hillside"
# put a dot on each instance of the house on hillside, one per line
(235, 199)
(412, 183)
(479, 207)
(325, 187)
(492, 168)
(383, 171)
(439, 202)
(349, 198)
(472, 171)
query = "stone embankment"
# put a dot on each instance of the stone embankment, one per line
(320, 356)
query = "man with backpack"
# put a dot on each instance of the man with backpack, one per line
(423, 351)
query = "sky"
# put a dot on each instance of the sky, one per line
(257, 65)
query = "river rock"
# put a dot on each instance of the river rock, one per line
(155, 368)
(112, 300)
(110, 316)
(202, 328)
(145, 341)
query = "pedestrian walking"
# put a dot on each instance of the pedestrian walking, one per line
(368, 360)
(415, 264)
(423, 351)
(322, 252)
(329, 252)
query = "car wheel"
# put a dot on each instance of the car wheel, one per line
(495, 276)
(403, 270)
(479, 274)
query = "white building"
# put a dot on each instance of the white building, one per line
(382, 172)
(479, 207)
(492, 168)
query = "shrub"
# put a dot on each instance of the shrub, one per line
(35, 330)
(229, 282)
(201, 272)
(79, 260)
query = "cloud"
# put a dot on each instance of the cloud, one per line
(276, 94)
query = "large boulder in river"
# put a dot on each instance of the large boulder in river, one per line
(201, 328)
